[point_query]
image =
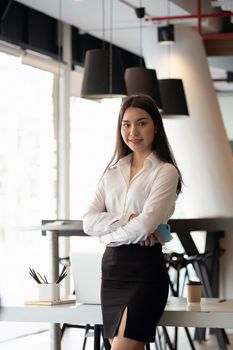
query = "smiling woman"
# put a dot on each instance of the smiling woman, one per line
(136, 194)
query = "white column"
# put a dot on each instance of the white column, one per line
(64, 126)
(64, 143)
(199, 142)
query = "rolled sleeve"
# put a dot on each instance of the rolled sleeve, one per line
(96, 221)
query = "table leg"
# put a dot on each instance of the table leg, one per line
(55, 336)
(54, 247)
(55, 330)
(96, 337)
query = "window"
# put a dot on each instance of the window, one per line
(93, 129)
(27, 173)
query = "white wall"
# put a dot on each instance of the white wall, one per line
(199, 142)
(225, 100)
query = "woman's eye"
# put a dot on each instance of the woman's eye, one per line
(142, 124)
(125, 125)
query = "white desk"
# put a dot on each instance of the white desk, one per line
(209, 314)
(181, 226)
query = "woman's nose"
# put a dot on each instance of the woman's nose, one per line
(134, 130)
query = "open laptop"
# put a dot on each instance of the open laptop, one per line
(86, 271)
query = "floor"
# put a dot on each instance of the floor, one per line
(73, 339)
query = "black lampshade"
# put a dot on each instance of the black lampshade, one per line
(143, 80)
(173, 98)
(229, 77)
(166, 34)
(103, 74)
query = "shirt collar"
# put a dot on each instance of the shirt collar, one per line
(151, 159)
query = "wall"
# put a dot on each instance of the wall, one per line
(199, 142)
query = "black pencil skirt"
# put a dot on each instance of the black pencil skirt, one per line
(133, 277)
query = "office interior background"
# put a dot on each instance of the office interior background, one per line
(54, 145)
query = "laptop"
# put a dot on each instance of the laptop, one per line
(86, 271)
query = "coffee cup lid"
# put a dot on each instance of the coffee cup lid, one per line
(194, 283)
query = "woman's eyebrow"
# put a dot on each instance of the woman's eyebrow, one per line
(138, 120)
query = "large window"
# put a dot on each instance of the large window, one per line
(27, 173)
(93, 128)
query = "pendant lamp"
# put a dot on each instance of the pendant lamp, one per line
(143, 80)
(173, 98)
(166, 34)
(140, 79)
(103, 70)
(103, 74)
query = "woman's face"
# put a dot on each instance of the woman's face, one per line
(138, 130)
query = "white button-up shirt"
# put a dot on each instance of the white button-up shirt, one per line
(151, 193)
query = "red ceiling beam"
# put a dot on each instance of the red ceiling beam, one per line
(199, 16)
(206, 15)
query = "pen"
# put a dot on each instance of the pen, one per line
(221, 300)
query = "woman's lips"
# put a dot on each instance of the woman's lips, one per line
(135, 141)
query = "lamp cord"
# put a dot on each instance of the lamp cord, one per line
(169, 48)
(110, 51)
(140, 36)
(103, 24)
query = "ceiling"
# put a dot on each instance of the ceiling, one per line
(123, 29)
(88, 16)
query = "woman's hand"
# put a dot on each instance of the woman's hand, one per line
(152, 239)
(133, 216)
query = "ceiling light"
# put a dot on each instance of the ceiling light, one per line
(229, 77)
(173, 98)
(166, 34)
(103, 70)
(143, 80)
(140, 79)
(103, 74)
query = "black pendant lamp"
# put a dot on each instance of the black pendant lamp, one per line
(103, 74)
(166, 34)
(143, 80)
(140, 79)
(173, 98)
(103, 69)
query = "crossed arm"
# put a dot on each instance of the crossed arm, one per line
(127, 228)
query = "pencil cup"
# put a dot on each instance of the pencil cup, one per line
(49, 292)
(194, 292)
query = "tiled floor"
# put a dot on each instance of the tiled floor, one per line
(73, 339)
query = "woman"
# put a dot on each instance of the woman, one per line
(136, 193)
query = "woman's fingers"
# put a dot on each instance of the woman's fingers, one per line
(152, 239)
(133, 216)
(158, 237)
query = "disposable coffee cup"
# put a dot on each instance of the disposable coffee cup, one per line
(48, 292)
(194, 289)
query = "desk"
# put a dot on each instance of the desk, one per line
(209, 313)
(214, 227)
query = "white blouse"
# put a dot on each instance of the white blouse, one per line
(151, 193)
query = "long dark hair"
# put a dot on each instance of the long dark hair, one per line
(160, 144)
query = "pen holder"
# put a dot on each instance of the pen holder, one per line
(49, 292)
(194, 291)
